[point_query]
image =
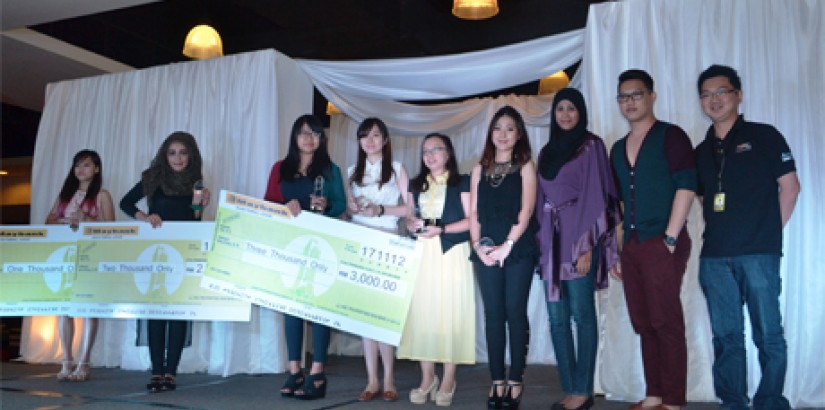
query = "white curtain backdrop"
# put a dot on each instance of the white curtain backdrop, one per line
(236, 107)
(776, 46)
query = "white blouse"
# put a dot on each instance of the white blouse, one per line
(387, 195)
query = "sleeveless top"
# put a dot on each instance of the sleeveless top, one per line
(388, 194)
(498, 209)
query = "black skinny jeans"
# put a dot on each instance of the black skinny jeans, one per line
(505, 291)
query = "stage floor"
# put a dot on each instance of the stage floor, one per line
(26, 386)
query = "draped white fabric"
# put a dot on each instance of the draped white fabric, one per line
(776, 46)
(236, 107)
(363, 89)
(778, 49)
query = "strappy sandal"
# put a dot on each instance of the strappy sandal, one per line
(81, 373)
(155, 384)
(65, 371)
(169, 383)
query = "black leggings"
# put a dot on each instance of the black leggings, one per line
(505, 292)
(166, 340)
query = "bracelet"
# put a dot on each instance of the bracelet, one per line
(475, 244)
(380, 210)
(196, 207)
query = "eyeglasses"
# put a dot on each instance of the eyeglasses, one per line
(635, 96)
(718, 93)
(433, 150)
(309, 134)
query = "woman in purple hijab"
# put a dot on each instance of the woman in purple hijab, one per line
(577, 210)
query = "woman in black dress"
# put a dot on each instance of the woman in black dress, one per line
(502, 229)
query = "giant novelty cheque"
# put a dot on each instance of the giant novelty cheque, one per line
(322, 269)
(38, 269)
(131, 270)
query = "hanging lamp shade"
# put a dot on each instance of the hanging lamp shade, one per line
(203, 42)
(475, 9)
(553, 82)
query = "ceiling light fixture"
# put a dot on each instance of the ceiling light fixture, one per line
(475, 9)
(553, 82)
(203, 42)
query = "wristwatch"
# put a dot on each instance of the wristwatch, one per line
(510, 242)
(670, 241)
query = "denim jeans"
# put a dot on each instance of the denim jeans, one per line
(728, 283)
(577, 365)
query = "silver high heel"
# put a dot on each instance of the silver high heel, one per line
(445, 399)
(418, 396)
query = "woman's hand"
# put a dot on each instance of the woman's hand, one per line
(431, 231)
(370, 210)
(153, 219)
(294, 207)
(414, 224)
(616, 272)
(205, 197)
(583, 264)
(318, 202)
(500, 253)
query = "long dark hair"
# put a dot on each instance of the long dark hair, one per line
(72, 184)
(386, 153)
(521, 151)
(320, 158)
(419, 183)
(160, 174)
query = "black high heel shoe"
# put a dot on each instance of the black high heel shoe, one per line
(315, 387)
(510, 402)
(494, 400)
(292, 383)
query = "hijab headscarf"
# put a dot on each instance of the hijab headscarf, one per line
(563, 144)
(160, 174)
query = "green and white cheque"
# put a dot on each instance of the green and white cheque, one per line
(38, 269)
(131, 270)
(338, 274)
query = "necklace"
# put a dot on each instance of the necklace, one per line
(498, 173)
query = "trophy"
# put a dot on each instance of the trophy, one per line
(317, 191)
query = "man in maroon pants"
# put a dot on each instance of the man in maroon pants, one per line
(655, 169)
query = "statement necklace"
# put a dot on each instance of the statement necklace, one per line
(498, 173)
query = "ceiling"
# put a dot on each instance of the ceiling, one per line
(45, 40)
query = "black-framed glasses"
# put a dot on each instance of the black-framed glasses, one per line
(635, 96)
(718, 93)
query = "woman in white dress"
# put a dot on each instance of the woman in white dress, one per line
(374, 199)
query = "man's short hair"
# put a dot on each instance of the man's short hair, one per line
(636, 74)
(717, 70)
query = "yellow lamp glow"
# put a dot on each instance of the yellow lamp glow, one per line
(203, 42)
(553, 82)
(475, 9)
